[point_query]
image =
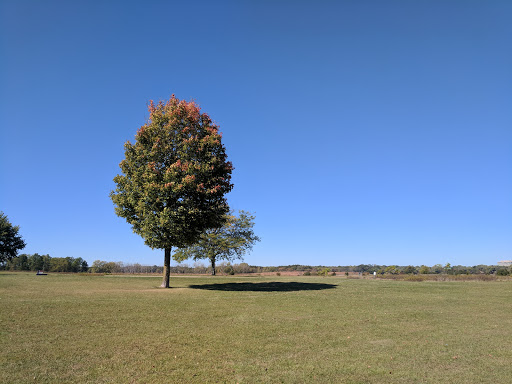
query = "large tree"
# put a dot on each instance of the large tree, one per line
(10, 241)
(231, 241)
(174, 178)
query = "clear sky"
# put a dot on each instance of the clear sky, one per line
(375, 132)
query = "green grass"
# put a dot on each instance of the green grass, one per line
(122, 329)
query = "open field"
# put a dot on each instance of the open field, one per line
(122, 329)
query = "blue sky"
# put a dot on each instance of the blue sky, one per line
(375, 132)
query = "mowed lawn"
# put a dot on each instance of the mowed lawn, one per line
(123, 329)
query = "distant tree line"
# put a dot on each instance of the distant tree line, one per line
(100, 266)
(38, 262)
(395, 269)
(225, 268)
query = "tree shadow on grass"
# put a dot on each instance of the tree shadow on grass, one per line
(274, 286)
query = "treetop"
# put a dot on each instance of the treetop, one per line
(174, 176)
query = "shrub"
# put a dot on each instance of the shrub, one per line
(415, 278)
(307, 273)
(228, 270)
(278, 274)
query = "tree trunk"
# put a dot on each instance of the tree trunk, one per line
(167, 268)
(213, 267)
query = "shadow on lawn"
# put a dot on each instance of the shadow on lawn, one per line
(264, 287)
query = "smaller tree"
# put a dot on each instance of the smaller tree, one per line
(10, 241)
(231, 241)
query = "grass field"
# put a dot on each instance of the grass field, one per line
(122, 329)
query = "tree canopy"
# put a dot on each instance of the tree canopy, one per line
(174, 178)
(10, 241)
(231, 241)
